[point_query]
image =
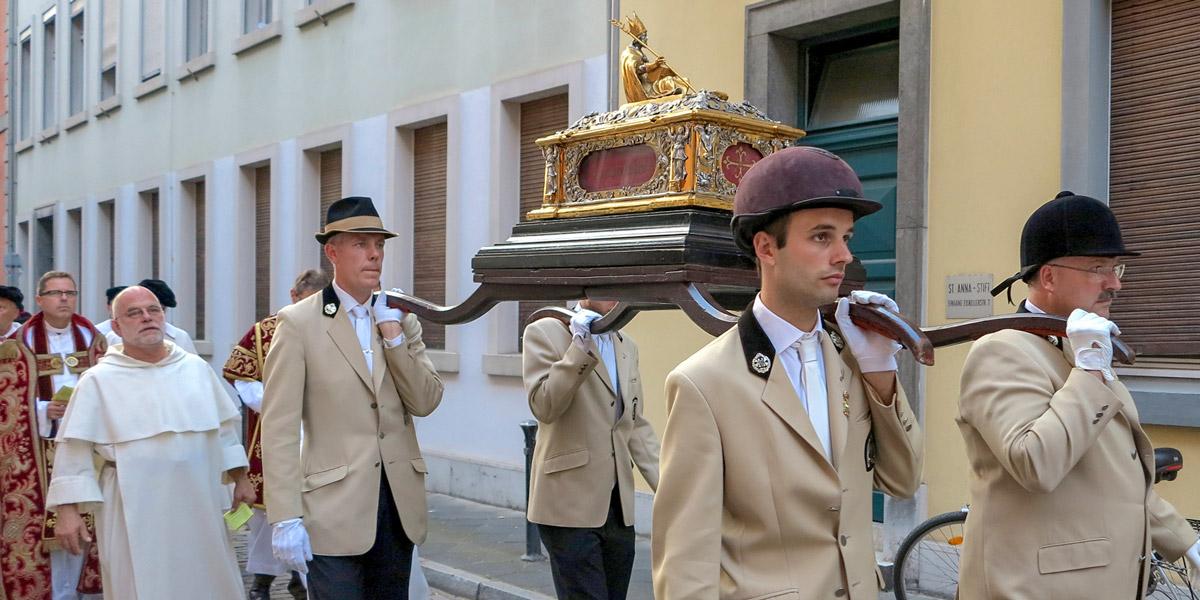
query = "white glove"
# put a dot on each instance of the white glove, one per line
(289, 544)
(581, 326)
(874, 352)
(1193, 565)
(383, 313)
(1091, 338)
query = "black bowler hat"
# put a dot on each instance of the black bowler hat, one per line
(111, 293)
(794, 179)
(355, 214)
(1068, 225)
(13, 295)
(161, 290)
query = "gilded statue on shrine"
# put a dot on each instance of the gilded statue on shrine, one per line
(643, 78)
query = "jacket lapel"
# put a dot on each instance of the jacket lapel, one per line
(380, 360)
(838, 397)
(342, 333)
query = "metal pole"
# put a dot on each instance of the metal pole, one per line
(12, 260)
(533, 540)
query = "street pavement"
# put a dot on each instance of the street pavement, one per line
(474, 551)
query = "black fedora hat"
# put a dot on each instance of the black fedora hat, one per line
(355, 214)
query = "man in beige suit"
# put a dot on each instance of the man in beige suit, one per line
(778, 430)
(355, 373)
(1061, 471)
(586, 391)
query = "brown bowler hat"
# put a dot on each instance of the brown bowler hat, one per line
(355, 214)
(794, 179)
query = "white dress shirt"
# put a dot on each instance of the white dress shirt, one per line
(362, 318)
(783, 336)
(608, 357)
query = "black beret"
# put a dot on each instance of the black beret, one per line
(161, 290)
(111, 293)
(13, 295)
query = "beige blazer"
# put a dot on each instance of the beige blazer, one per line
(355, 423)
(748, 506)
(1061, 498)
(582, 449)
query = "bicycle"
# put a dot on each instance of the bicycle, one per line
(926, 565)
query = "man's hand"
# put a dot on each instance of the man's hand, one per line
(874, 352)
(1091, 339)
(56, 410)
(289, 544)
(387, 318)
(581, 326)
(243, 491)
(70, 530)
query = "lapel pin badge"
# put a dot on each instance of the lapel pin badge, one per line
(846, 403)
(330, 308)
(761, 364)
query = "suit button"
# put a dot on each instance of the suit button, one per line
(835, 508)
(382, 435)
(1095, 421)
(1105, 407)
(377, 465)
(1133, 455)
(839, 593)
(844, 539)
(374, 405)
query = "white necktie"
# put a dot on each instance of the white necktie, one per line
(808, 350)
(362, 329)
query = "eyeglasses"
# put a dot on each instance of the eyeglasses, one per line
(136, 313)
(1118, 270)
(59, 293)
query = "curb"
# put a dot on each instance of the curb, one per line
(473, 587)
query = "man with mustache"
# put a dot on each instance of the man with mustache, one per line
(348, 502)
(778, 430)
(1062, 503)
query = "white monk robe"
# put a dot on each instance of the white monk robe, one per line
(167, 432)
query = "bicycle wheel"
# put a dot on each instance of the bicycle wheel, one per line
(927, 563)
(1169, 581)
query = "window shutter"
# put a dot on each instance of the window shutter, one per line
(152, 38)
(429, 224)
(152, 205)
(199, 199)
(111, 33)
(539, 118)
(262, 242)
(331, 190)
(1154, 178)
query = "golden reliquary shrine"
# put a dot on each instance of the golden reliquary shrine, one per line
(682, 151)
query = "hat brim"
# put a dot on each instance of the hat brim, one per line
(323, 236)
(746, 225)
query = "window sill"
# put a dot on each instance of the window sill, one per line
(107, 105)
(23, 145)
(47, 134)
(443, 361)
(75, 120)
(257, 38)
(192, 68)
(319, 10)
(502, 365)
(149, 86)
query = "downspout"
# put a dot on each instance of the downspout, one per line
(12, 260)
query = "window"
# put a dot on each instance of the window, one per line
(43, 246)
(539, 118)
(24, 121)
(195, 28)
(110, 33)
(152, 38)
(49, 74)
(150, 204)
(331, 190)
(429, 224)
(106, 245)
(72, 255)
(262, 242)
(256, 15)
(75, 101)
(198, 200)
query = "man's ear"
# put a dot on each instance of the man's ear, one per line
(764, 247)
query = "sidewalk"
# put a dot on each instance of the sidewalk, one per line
(474, 551)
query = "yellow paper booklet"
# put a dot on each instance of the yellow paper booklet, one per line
(63, 395)
(236, 518)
